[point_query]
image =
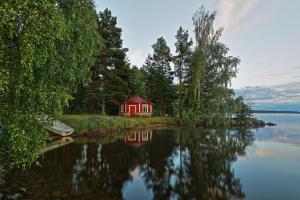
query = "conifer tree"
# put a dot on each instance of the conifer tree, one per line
(182, 60)
(113, 66)
(160, 77)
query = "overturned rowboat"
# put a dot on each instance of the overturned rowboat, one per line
(59, 128)
(55, 126)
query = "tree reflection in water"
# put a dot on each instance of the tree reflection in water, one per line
(171, 163)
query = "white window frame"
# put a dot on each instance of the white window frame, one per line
(145, 107)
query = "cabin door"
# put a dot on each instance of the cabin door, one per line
(132, 111)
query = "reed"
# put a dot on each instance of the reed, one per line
(82, 123)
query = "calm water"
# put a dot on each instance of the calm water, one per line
(171, 163)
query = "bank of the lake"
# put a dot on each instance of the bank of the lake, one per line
(97, 124)
(86, 124)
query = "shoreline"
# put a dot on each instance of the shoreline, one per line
(96, 125)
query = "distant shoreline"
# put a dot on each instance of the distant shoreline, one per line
(277, 112)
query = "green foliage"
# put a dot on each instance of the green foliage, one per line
(210, 98)
(137, 82)
(46, 48)
(111, 71)
(83, 123)
(191, 118)
(159, 76)
(243, 112)
(182, 60)
(23, 146)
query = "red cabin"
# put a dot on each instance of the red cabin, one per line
(136, 106)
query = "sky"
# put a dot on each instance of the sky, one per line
(264, 34)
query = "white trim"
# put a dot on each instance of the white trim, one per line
(147, 108)
(129, 109)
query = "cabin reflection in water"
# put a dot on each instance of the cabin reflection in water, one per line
(138, 138)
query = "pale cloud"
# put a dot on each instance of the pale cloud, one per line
(232, 12)
(238, 16)
(278, 97)
(291, 72)
(137, 57)
(267, 76)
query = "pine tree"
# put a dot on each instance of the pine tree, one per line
(182, 61)
(113, 66)
(160, 77)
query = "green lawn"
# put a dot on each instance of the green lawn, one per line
(82, 123)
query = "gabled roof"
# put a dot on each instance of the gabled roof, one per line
(136, 99)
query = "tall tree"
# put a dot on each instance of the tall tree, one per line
(160, 77)
(83, 45)
(211, 73)
(113, 65)
(181, 60)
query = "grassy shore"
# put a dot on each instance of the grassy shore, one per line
(97, 123)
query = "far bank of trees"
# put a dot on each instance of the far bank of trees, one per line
(193, 83)
(204, 72)
(62, 56)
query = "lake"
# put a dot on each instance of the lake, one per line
(171, 163)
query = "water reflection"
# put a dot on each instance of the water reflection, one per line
(287, 131)
(138, 138)
(160, 164)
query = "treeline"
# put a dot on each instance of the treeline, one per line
(195, 82)
(62, 56)
(113, 79)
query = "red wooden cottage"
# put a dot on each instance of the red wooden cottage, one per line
(136, 106)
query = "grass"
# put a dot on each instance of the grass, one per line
(83, 123)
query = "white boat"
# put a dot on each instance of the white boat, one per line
(55, 126)
(59, 128)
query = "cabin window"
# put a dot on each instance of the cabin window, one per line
(122, 108)
(145, 108)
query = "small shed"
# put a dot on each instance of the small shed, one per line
(136, 106)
